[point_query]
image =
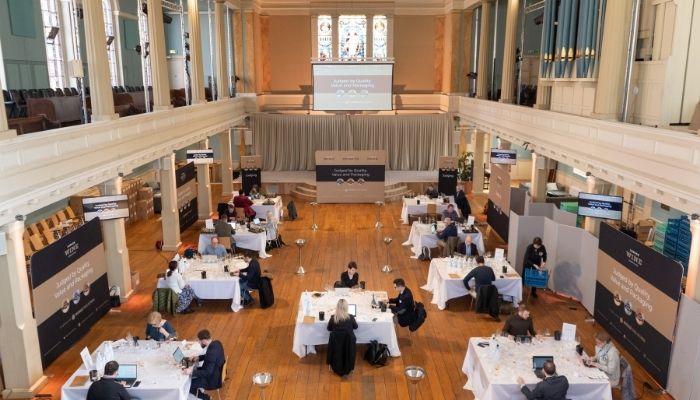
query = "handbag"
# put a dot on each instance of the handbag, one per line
(114, 299)
(377, 353)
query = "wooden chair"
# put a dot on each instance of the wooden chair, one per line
(36, 242)
(450, 246)
(223, 380)
(240, 214)
(226, 242)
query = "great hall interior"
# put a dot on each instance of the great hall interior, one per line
(411, 137)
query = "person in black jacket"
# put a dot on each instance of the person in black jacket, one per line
(482, 275)
(431, 192)
(208, 376)
(250, 278)
(107, 388)
(403, 306)
(342, 343)
(552, 387)
(535, 257)
(520, 324)
(468, 248)
(462, 202)
(350, 278)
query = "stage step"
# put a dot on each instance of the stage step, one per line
(395, 192)
(305, 191)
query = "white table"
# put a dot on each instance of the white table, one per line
(306, 336)
(262, 209)
(160, 376)
(421, 236)
(491, 377)
(411, 206)
(244, 240)
(445, 287)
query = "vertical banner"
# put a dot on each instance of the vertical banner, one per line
(251, 172)
(447, 175)
(499, 200)
(636, 299)
(70, 289)
(350, 176)
(186, 195)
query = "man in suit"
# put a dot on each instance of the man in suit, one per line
(241, 201)
(403, 306)
(431, 192)
(107, 388)
(250, 278)
(482, 275)
(535, 257)
(468, 248)
(208, 376)
(450, 213)
(552, 387)
(447, 232)
(462, 202)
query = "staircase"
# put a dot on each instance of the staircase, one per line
(305, 191)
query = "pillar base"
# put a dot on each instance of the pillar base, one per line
(605, 117)
(169, 247)
(162, 108)
(25, 393)
(125, 297)
(106, 117)
(8, 134)
(505, 101)
(541, 106)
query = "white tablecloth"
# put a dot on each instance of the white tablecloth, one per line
(218, 284)
(421, 236)
(494, 378)
(161, 378)
(262, 209)
(411, 206)
(445, 287)
(244, 240)
(306, 336)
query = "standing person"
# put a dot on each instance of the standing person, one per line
(482, 275)
(174, 281)
(342, 358)
(107, 388)
(462, 202)
(520, 324)
(535, 257)
(552, 387)
(159, 329)
(350, 278)
(208, 376)
(250, 278)
(402, 305)
(606, 358)
(241, 201)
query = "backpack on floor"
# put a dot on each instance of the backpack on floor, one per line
(267, 296)
(377, 353)
(291, 210)
(421, 315)
(425, 254)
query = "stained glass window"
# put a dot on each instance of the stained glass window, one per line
(352, 36)
(325, 37)
(54, 53)
(379, 36)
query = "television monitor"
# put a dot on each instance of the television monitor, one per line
(600, 206)
(106, 207)
(500, 156)
(353, 86)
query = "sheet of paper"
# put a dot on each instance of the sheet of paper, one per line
(87, 359)
(499, 254)
(470, 220)
(209, 223)
(453, 276)
(568, 332)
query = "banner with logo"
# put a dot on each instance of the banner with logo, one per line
(447, 175)
(186, 195)
(70, 289)
(350, 176)
(636, 299)
(251, 173)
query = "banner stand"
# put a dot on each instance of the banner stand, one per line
(251, 172)
(447, 175)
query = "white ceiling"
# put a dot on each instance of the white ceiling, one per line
(349, 6)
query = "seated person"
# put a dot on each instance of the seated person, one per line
(185, 293)
(107, 388)
(231, 212)
(341, 321)
(403, 306)
(482, 275)
(271, 229)
(606, 358)
(241, 201)
(447, 232)
(159, 329)
(208, 376)
(250, 278)
(468, 248)
(350, 278)
(552, 387)
(222, 226)
(520, 324)
(215, 249)
(450, 213)
(254, 192)
(431, 192)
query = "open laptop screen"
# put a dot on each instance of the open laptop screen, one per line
(352, 309)
(178, 356)
(538, 361)
(127, 371)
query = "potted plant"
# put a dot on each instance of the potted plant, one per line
(465, 165)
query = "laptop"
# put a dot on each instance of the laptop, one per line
(128, 374)
(180, 358)
(538, 364)
(342, 291)
(352, 309)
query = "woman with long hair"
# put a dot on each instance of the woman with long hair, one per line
(342, 343)
(174, 281)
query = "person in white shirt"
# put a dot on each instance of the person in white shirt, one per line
(606, 358)
(271, 226)
(174, 281)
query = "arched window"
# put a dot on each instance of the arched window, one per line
(111, 51)
(54, 52)
(351, 43)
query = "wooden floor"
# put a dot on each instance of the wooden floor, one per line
(261, 340)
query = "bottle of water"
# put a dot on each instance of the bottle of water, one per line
(374, 302)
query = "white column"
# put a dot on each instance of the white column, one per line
(19, 347)
(5, 133)
(101, 98)
(591, 224)
(226, 162)
(203, 186)
(196, 66)
(116, 251)
(67, 39)
(538, 182)
(159, 66)
(221, 61)
(170, 218)
(484, 61)
(478, 173)
(508, 74)
(692, 286)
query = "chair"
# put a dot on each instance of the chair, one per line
(37, 107)
(240, 214)
(626, 385)
(535, 278)
(226, 242)
(165, 300)
(341, 352)
(223, 380)
(450, 246)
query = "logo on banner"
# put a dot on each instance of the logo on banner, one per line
(71, 249)
(634, 258)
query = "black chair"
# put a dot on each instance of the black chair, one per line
(59, 92)
(341, 352)
(74, 91)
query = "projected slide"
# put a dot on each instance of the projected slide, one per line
(339, 87)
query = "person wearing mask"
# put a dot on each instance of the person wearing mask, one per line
(159, 329)
(402, 306)
(208, 376)
(535, 257)
(450, 213)
(250, 278)
(552, 387)
(107, 388)
(606, 358)
(185, 293)
(462, 202)
(350, 278)
(241, 201)
(431, 192)
(520, 324)
(215, 249)
(482, 275)
(341, 359)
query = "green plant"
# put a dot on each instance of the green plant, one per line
(464, 166)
